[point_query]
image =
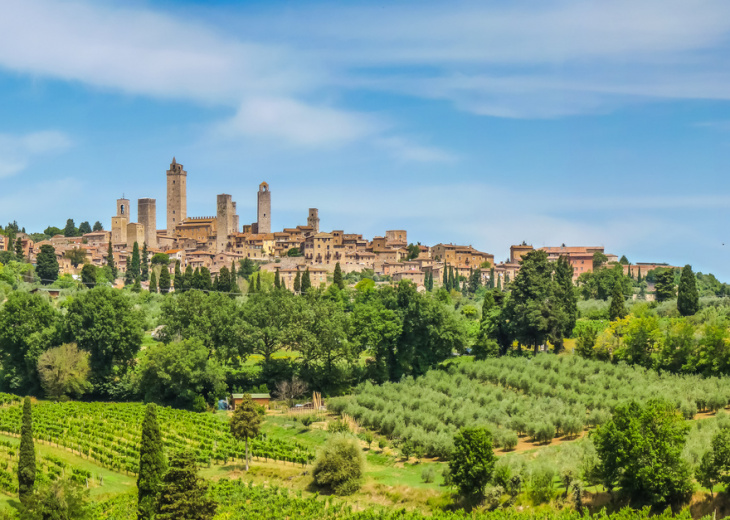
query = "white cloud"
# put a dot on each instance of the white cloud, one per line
(16, 152)
(409, 151)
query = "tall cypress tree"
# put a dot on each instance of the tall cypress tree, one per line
(164, 280)
(491, 278)
(151, 465)
(297, 283)
(639, 277)
(188, 278)
(26, 462)
(233, 272)
(206, 278)
(179, 281)
(617, 310)
(19, 250)
(566, 298)
(133, 269)
(224, 280)
(258, 283)
(197, 279)
(277, 280)
(337, 280)
(688, 297)
(145, 265)
(110, 261)
(453, 283)
(445, 281)
(153, 281)
(306, 281)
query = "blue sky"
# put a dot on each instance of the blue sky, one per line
(484, 123)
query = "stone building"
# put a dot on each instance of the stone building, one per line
(517, 252)
(135, 233)
(120, 221)
(460, 256)
(226, 221)
(177, 199)
(313, 219)
(147, 216)
(263, 215)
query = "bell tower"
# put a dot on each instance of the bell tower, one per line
(120, 221)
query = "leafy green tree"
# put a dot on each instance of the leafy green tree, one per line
(206, 279)
(188, 278)
(599, 259)
(184, 495)
(164, 283)
(47, 264)
(247, 268)
(665, 289)
(64, 370)
(177, 373)
(104, 323)
(338, 281)
(641, 335)
(160, 259)
(19, 256)
(88, 275)
(26, 461)
(84, 228)
(617, 310)
(376, 331)
(472, 461)
(413, 251)
(98, 226)
(306, 281)
(297, 283)
(134, 269)
(70, 230)
(145, 264)
(708, 472)
(28, 327)
(246, 422)
(340, 465)
(640, 449)
(76, 256)
(58, 499)
(266, 323)
(110, 261)
(52, 231)
(688, 297)
(179, 281)
(151, 465)
(153, 282)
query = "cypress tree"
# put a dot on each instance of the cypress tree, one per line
(277, 280)
(153, 281)
(445, 281)
(639, 277)
(197, 279)
(19, 250)
(151, 465)
(145, 266)
(224, 280)
(688, 297)
(491, 278)
(297, 283)
(215, 283)
(206, 279)
(306, 281)
(188, 278)
(164, 280)
(338, 281)
(453, 284)
(499, 283)
(464, 288)
(179, 281)
(137, 287)
(26, 462)
(47, 264)
(617, 310)
(233, 272)
(110, 261)
(258, 283)
(135, 266)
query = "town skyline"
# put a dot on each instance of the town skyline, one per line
(494, 129)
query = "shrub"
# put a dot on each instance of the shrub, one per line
(340, 465)
(540, 486)
(493, 496)
(509, 440)
(338, 427)
(428, 474)
(307, 420)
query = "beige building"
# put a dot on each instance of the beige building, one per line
(147, 216)
(135, 233)
(177, 198)
(461, 256)
(120, 221)
(263, 211)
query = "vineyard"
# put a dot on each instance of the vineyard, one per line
(109, 433)
(541, 398)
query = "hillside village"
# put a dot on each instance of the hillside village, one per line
(214, 242)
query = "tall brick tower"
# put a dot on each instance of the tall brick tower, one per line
(120, 221)
(177, 198)
(264, 209)
(313, 219)
(226, 221)
(147, 216)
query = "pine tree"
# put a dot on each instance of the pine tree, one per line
(19, 250)
(47, 264)
(617, 310)
(153, 281)
(639, 277)
(306, 281)
(277, 280)
(224, 280)
(26, 461)
(337, 280)
(151, 464)
(184, 495)
(110, 261)
(98, 226)
(297, 283)
(179, 281)
(664, 286)
(145, 267)
(188, 278)
(688, 297)
(246, 422)
(164, 280)
(567, 300)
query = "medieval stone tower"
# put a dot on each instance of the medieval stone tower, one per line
(147, 216)
(313, 219)
(264, 209)
(177, 199)
(226, 221)
(120, 221)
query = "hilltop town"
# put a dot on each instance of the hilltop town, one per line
(214, 242)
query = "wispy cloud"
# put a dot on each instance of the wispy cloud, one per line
(17, 151)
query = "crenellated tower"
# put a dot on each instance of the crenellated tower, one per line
(177, 201)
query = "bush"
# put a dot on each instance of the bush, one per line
(307, 420)
(338, 427)
(493, 496)
(509, 440)
(540, 486)
(428, 474)
(340, 465)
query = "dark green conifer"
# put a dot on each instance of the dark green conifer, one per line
(19, 250)
(179, 280)
(164, 280)
(258, 283)
(151, 465)
(617, 310)
(277, 280)
(338, 281)
(153, 282)
(26, 461)
(688, 297)
(184, 495)
(145, 264)
(445, 281)
(110, 261)
(297, 283)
